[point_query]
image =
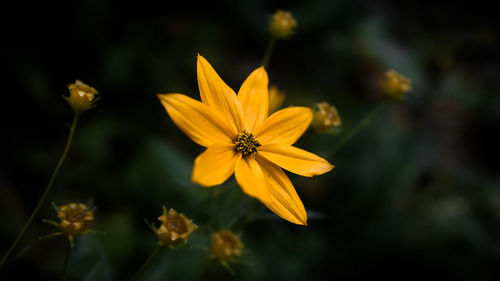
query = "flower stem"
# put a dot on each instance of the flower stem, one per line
(356, 129)
(45, 193)
(151, 257)
(66, 259)
(269, 51)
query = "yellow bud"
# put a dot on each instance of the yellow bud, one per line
(81, 96)
(73, 219)
(174, 227)
(395, 85)
(282, 24)
(325, 117)
(225, 245)
(276, 98)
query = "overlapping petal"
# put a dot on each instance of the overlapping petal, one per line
(251, 179)
(295, 160)
(214, 165)
(284, 199)
(196, 120)
(217, 120)
(218, 95)
(254, 98)
(284, 126)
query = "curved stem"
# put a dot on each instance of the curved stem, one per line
(66, 259)
(355, 130)
(45, 193)
(269, 51)
(139, 272)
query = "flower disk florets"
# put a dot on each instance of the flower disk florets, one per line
(246, 144)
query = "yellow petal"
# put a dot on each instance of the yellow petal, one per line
(196, 120)
(214, 165)
(251, 179)
(254, 98)
(284, 126)
(295, 160)
(219, 96)
(284, 199)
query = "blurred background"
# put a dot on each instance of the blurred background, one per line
(415, 194)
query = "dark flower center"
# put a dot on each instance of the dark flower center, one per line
(75, 215)
(176, 224)
(229, 241)
(246, 144)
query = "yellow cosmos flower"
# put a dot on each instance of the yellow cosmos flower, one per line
(326, 117)
(73, 218)
(282, 24)
(395, 85)
(174, 227)
(242, 139)
(225, 245)
(82, 96)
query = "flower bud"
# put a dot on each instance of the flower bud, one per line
(276, 98)
(81, 96)
(225, 245)
(174, 227)
(325, 117)
(73, 219)
(282, 24)
(395, 85)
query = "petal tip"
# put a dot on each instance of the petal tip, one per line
(196, 180)
(201, 59)
(299, 221)
(331, 167)
(262, 69)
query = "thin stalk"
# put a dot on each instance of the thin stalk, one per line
(66, 259)
(356, 129)
(151, 257)
(269, 51)
(45, 193)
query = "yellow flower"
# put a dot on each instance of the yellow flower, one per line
(174, 227)
(225, 245)
(82, 97)
(276, 98)
(326, 116)
(240, 137)
(395, 85)
(73, 219)
(282, 24)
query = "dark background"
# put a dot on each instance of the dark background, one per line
(414, 195)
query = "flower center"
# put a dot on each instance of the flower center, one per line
(176, 224)
(246, 144)
(75, 215)
(229, 241)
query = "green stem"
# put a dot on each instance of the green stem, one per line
(45, 193)
(355, 130)
(139, 272)
(269, 51)
(66, 259)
